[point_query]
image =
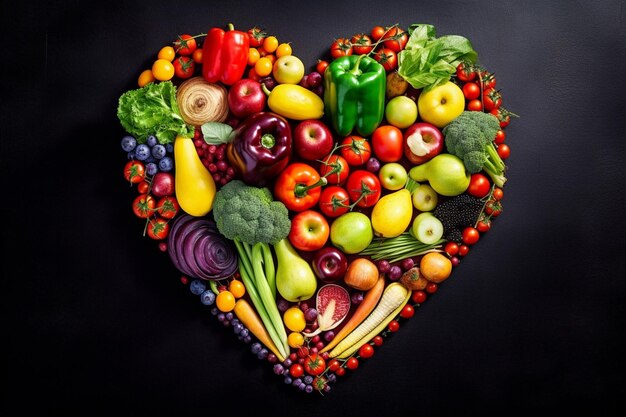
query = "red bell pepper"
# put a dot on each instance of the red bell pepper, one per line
(225, 55)
(298, 187)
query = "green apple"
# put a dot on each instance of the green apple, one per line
(427, 228)
(393, 176)
(401, 112)
(424, 198)
(442, 104)
(288, 69)
(351, 232)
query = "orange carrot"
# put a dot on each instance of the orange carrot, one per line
(360, 313)
(249, 317)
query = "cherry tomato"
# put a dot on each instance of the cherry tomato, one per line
(366, 351)
(253, 56)
(334, 201)
(451, 248)
(431, 288)
(335, 168)
(470, 235)
(314, 364)
(492, 99)
(256, 37)
(465, 72)
(134, 171)
(497, 194)
(352, 363)
(333, 365)
(500, 135)
(321, 66)
(387, 58)
(270, 44)
(377, 32)
(263, 67)
(471, 90)
(504, 151)
(504, 116)
(341, 47)
(163, 70)
(396, 39)
(488, 80)
(197, 56)
(378, 340)
(356, 150)
(363, 188)
(361, 44)
(158, 228)
(407, 311)
(418, 297)
(296, 370)
(493, 208)
(340, 372)
(184, 67)
(143, 187)
(387, 143)
(167, 52)
(483, 225)
(475, 105)
(463, 250)
(393, 326)
(146, 77)
(283, 49)
(236, 288)
(168, 207)
(225, 301)
(479, 185)
(143, 206)
(185, 45)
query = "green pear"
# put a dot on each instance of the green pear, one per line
(295, 280)
(445, 173)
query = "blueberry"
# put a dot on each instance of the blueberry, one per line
(169, 148)
(151, 140)
(288, 380)
(142, 152)
(197, 287)
(309, 389)
(128, 143)
(207, 297)
(131, 155)
(244, 332)
(158, 151)
(166, 164)
(308, 379)
(256, 348)
(151, 168)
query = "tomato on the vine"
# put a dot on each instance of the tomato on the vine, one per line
(366, 351)
(493, 208)
(388, 143)
(333, 365)
(504, 151)
(500, 135)
(168, 207)
(465, 72)
(396, 39)
(134, 171)
(488, 79)
(184, 67)
(363, 188)
(378, 340)
(352, 363)
(143, 206)
(185, 44)
(334, 201)
(483, 224)
(256, 37)
(504, 116)
(335, 169)
(497, 194)
(361, 44)
(492, 99)
(479, 185)
(321, 66)
(407, 311)
(341, 47)
(387, 58)
(471, 90)
(356, 150)
(197, 56)
(475, 105)
(158, 228)
(314, 364)
(393, 326)
(377, 32)
(470, 235)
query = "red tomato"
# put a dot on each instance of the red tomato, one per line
(407, 311)
(256, 37)
(463, 250)
(296, 370)
(504, 116)
(497, 194)
(184, 67)
(361, 44)
(479, 185)
(314, 364)
(158, 228)
(451, 248)
(387, 143)
(334, 201)
(366, 351)
(333, 365)
(185, 45)
(475, 105)
(492, 99)
(143, 206)
(143, 187)
(321, 66)
(465, 72)
(363, 188)
(352, 363)
(387, 58)
(341, 47)
(471, 90)
(488, 80)
(197, 56)
(378, 340)
(470, 235)
(393, 326)
(500, 135)
(309, 231)
(134, 171)
(356, 150)
(377, 32)
(396, 39)
(493, 208)
(483, 225)
(504, 151)
(168, 207)
(335, 169)
(418, 297)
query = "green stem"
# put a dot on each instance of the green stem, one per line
(270, 268)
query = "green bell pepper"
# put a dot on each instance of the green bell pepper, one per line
(354, 94)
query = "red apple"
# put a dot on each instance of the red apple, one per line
(330, 264)
(312, 139)
(246, 97)
(422, 142)
(309, 230)
(163, 184)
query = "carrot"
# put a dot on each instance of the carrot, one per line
(360, 313)
(393, 299)
(249, 317)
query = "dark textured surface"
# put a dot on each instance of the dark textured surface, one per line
(95, 321)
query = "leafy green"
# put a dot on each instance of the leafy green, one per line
(428, 61)
(216, 133)
(152, 110)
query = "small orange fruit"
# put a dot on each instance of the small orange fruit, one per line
(435, 267)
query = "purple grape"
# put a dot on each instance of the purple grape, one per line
(278, 369)
(309, 388)
(383, 266)
(269, 82)
(356, 298)
(408, 263)
(314, 79)
(395, 272)
(282, 305)
(304, 82)
(329, 335)
(310, 314)
(372, 165)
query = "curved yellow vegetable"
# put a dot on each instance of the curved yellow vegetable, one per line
(193, 183)
(295, 102)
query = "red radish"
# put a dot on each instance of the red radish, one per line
(332, 304)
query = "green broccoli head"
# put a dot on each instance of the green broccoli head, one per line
(250, 214)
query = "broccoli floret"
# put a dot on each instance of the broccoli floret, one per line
(470, 137)
(250, 214)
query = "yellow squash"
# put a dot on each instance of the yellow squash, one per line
(194, 184)
(295, 102)
(392, 214)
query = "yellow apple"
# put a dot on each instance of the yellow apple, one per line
(442, 104)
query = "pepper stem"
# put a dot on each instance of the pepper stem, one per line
(231, 26)
(301, 189)
(268, 141)
(355, 70)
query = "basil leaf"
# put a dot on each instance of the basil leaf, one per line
(216, 133)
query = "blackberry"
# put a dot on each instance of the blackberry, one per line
(456, 214)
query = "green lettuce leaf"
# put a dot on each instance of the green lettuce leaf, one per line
(153, 110)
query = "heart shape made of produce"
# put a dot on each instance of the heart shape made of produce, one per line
(312, 210)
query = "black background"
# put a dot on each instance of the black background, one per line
(95, 321)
